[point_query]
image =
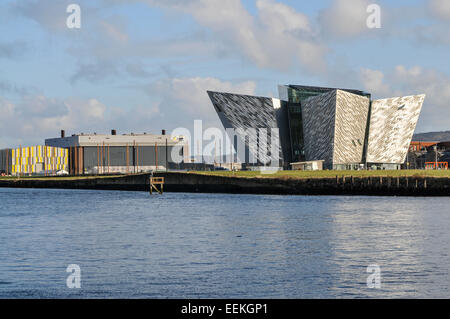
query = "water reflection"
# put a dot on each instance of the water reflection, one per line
(394, 234)
(221, 246)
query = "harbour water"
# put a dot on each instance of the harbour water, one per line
(132, 245)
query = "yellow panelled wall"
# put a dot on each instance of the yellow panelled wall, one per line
(39, 159)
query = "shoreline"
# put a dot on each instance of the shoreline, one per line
(210, 183)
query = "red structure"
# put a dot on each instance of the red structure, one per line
(420, 146)
(436, 165)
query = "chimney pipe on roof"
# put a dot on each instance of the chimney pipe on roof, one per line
(113, 132)
(63, 134)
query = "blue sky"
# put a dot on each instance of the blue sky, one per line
(145, 65)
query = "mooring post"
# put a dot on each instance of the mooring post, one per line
(154, 182)
(151, 183)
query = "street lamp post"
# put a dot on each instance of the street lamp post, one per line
(436, 157)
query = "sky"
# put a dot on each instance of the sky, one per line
(145, 65)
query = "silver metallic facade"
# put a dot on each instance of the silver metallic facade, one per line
(335, 123)
(342, 127)
(392, 125)
(319, 119)
(247, 115)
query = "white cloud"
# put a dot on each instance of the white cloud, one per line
(184, 100)
(180, 102)
(402, 81)
(190, 93)
(282, 18)
(48, 13)
(34, 118)
(278, 37)
(345, 18)
(440, 8)
(436, 112)
(373, 81)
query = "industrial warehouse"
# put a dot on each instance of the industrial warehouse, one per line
(337, 129)
(96, 154)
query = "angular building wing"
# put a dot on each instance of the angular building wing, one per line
(352, 112)
(247, 114)
(319, 118)
(334, 125)
(392, 125)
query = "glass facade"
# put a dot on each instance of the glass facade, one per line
(383, 166)
(296, 95)
(296, 132)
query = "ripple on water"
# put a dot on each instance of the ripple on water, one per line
(131, 245)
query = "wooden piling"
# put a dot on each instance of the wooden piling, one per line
(109, 161)
(156, 155)
(154, 183)
(7, 162)
(127, 156)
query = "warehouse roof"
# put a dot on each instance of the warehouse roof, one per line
(114, 140)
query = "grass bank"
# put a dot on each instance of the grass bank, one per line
(389, 183)
(58, 178)
(257, 174)
(329, 174)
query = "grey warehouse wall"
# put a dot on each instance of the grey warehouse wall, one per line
(5, 160)
(137, 156)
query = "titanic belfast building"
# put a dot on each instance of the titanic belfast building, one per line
(344, 128)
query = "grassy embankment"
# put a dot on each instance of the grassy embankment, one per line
(280, 174)
(331, 174)
(59, 178)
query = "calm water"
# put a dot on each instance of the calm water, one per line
(131, 245)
